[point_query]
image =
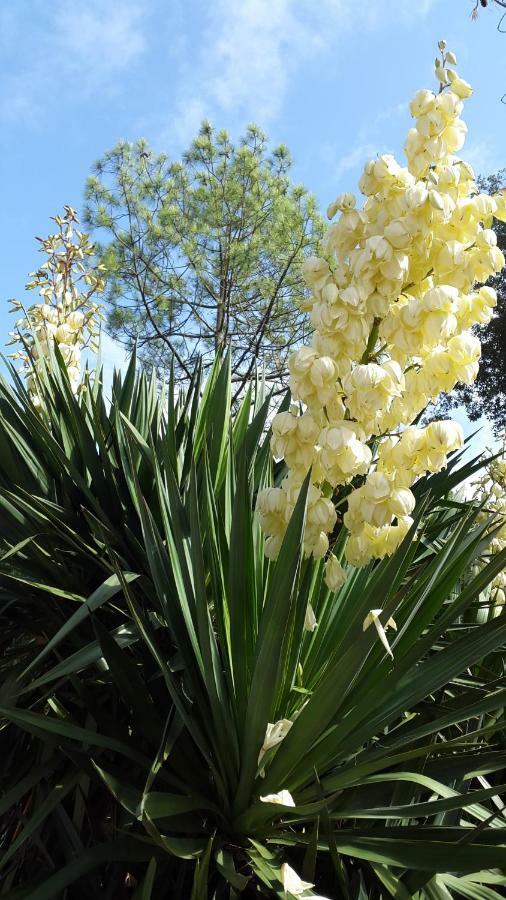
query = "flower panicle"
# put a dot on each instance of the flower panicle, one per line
(394, 295)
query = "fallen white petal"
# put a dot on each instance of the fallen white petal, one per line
(291, 881)
(284, 798)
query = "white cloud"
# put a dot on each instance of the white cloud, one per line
(390, 113)
(355, 159)
(251, 50)
(74, 52)
(484, 156)
(186, 123)
(418, 10)
(101, 38)
(262, 41)
(367, 146)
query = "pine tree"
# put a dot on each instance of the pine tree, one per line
(205, 253)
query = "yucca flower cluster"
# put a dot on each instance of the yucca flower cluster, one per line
(68, 314)
(393, 300)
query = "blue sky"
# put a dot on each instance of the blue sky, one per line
(331, 79)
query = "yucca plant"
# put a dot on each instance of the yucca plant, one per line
(169, 726)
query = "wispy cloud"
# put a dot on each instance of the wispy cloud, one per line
(101, 38)
(251, 51)
(368, 145)
(484, 155)
(261, 43)
(66, 51)
(354, 159)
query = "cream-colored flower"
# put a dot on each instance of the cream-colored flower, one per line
(393, 306)
(335, 575)
(342, 203)
(460, 87)
(282, 798)
(312, 377)
(310, 623)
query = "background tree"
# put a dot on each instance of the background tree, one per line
(204, 253)
(487, 396)
(484, 4)
(501, 24)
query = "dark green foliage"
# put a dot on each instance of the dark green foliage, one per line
(146, 643)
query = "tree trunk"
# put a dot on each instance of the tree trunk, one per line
(219, 334)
